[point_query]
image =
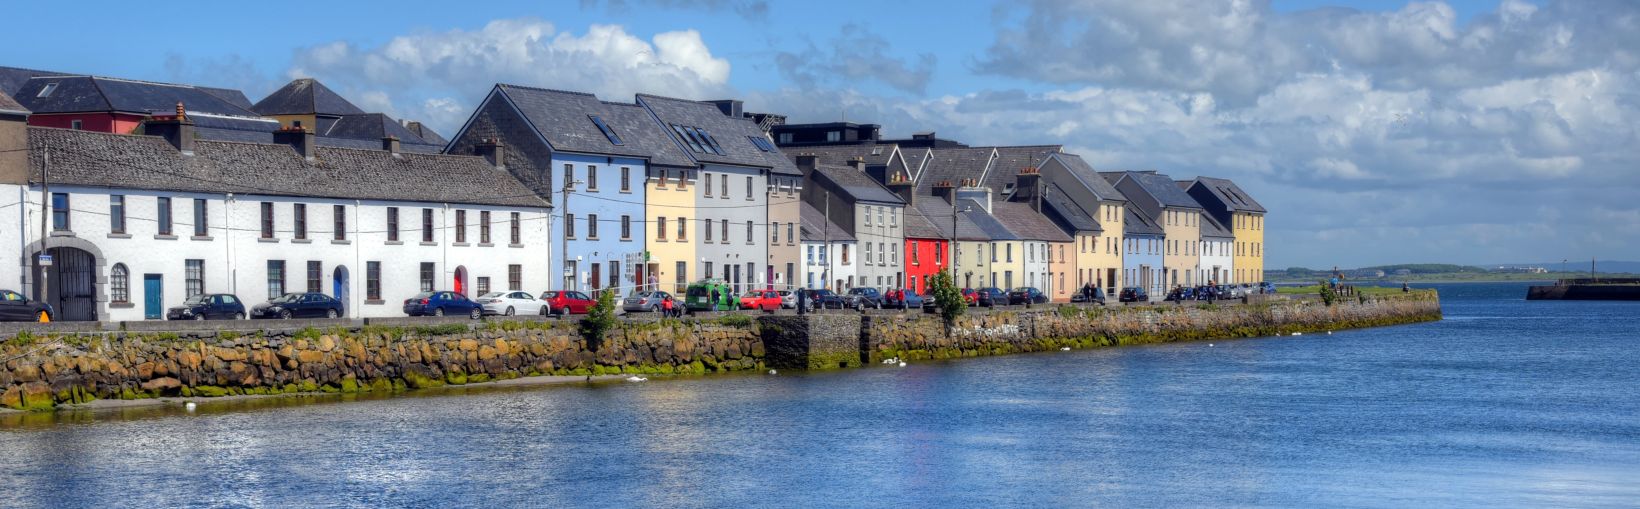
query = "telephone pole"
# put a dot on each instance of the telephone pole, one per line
(45, 216)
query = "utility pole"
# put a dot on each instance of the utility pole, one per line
(830, 268)
(563, 216)
(45, 216)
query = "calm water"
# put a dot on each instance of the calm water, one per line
(1506, 403)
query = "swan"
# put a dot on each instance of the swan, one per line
(1064, 349)
(190, 406)
(636, 378)
(773, 372)
(902, 364)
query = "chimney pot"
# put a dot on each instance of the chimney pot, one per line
(299, 138)
(391, 144)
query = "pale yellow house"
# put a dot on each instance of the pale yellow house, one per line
(1232, 206)
(1179, 216)
(669, 206)
(1075, 184)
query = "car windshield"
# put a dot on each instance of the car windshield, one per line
(753, 294)
(287, 298)
(197, 300)
(492, 295)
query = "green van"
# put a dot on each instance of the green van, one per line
(698, 296)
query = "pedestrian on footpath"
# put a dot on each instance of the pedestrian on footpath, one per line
(715, 296)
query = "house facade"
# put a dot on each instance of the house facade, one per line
(1143, 262)
(1217, 252)
(1176, 212)
(873, 215)
(1099, 255)
(970, 255)
(1234, 208)
(828, 252)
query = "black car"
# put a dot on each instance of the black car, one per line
(1133, 294)
(1026, 295)
(861, 298)
(14, 307)
(1098, 297)
(991, 296)
(216, 306)
(299, 305)
(822, 299)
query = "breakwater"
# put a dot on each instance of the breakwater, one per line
(41, 370)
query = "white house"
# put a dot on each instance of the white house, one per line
(140, 223)
(1217, 253)
(828, 253)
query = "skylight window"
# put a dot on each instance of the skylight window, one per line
(609, 133)
(688, 139)
(46, 92)
(761, 143)
(712, 141)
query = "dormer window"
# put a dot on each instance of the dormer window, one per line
(47, 90)
(608, 133)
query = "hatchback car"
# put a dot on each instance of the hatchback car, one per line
(1133, 294)
(970, 296)
(442, 304)
(512, 303)
(14, 307)
(765, 300)
(568, 302)
(788, 299)
(823, 299)
(992, 296)
(299, 305)
(641, 302)
(1026, 295)
(219, 306)
(907, 299)
(861, 298)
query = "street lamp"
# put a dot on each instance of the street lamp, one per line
(965, 209)
(569, 274)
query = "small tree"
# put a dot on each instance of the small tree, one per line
(600, 318)
(1328, 295)
(947, 297)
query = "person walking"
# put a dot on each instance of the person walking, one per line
(715, 297)
(666, 307)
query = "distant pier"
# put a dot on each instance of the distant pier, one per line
(1587, 289)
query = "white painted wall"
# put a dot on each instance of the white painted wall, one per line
(819, 266)
(1216, 253)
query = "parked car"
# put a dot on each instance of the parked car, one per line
(14, 307)
(1133, 294)
(640, 302)
(1231, 292)
(971, 296)
(1026, 295)
(216, 306)
(905, 298)
(1097, 298)
(299, 305)
(765, 300)
(992, 296)
(861, 298)
(567, 302)
(442, 304)
(1266, 288)
(788, 299)
(698, 296)
(512, 303)
(823, 299)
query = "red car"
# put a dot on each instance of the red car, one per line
(766, 300)
(568, 302)
(971, 296)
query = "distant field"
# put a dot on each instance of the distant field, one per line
(1453, 277)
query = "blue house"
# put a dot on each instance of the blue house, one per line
(1142, 253)
(588, 157)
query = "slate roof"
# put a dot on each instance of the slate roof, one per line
(840, 155)
(13, 78)
(1230, 195)
(731, 133)
(1069, 215)
(914, 158)
(1004, 170)
(1026, 223)
(816, 229)
(7, 105)
(1089, 178)
(920, 226)
(232, 96)
(855, 184)
(74, 94)
(563, 119)
(988, 225)
(373, 127)
(363, 144)
(426, 133)
(305, 96)
(1211, 228)
(148, 162)
(1137, 223)
(1162, 188)
(226, 128)
(938, 213)
(953, 164)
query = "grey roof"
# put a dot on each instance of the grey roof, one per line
(938, 212)
(426, 133)
(373, 127)
(1229, 195)
(817, 228)
(1211, 228)
(305, 96)
(1089, 178)
(13, 78)
(7, 105)
(920, 226)
(953, 164)
(989, 225)
(855, 184)
(75, 94)
(1026, 223)
(732, 134)
(363, 144)
(1135, 222)
(563, 118)
(914, 158)
(148, 162)
(1163, 189)
(840, 155)
(1004, 170)
(233, 96)
(1069, 215)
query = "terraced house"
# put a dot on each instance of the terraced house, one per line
(872, 214)
(1179, 216)
(1078, 188)
(828, 252)
(1233, 207)
(960, 222)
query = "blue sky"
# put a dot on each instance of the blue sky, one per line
(1468, 131)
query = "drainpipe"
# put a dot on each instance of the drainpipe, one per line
(227, 241)
(354, 301)
(444, 244)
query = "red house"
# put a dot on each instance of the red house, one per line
(113, 105)
(926, 245)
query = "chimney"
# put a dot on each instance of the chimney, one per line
(730, 107)
(946, 191)
(391, 144)
(902, 186)
(1028, 188)
(972, 190)
(492, 150)
(858, 163)
(299, 138)
(807, 162)
(176, 129)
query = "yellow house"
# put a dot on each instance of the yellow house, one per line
(1229, 204)
(1179, 216)
(669, 207)
(1098, 249)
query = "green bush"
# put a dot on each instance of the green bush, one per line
(599, 320)
(947, 297)
(1328, 295)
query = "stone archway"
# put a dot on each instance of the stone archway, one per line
(76, 279)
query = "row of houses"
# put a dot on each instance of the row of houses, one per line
(141, 195)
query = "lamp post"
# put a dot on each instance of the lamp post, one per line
(563, 214)
(953, 250)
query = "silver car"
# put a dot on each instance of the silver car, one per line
(641, 302)
(788, 299)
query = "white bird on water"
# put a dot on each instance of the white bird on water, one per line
(1329, 333)
(902, 364)
(1064, 349)
(190, 406)
(636, 378)
(773, 372)
(891, 360)
(1210, 345)
(1298, 334)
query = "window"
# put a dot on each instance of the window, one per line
(706, 178)
(723, 186)
(315, 276)
(688, 138)
(164, 216)
(116, 213)
(427, 276)
(517, 233)
(660, 228)
(300, 225)
(1010, 249)
(915, 253)
(748, 187)
(426, 225)
(894, 218)
(339, 216)
(993, 253)
(119, 284)
(626, 179)
(894, 254)
(515, 277)
(709, 140)
(59, 211)
(785, 138)
(483, 285)
(484, 226)
(592, 178)
(749, 232)
(763, 143)
(76, 124)
(683, 231)
(868, 215)
(195, 276)
(393, 224)
(791, 234)
(569, 176)
(47, 90)
(608, 133)
(373, 280)
(708, 233)
(834, 135)
(267, 220)
(845, 254)
(868, 253)
(680, 277)
(569, 226)
(592, 226)
(626, 227)
(461, 226)
(202, 224)
(276, 278)
(774, 233)
(725, 231)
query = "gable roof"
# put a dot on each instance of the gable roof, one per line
(732, 134)
(76, 94)
(1228, 194)
(426, 133)
(126, 161)
(1160, 187)
(1026, 223)
(564, 119)
(920, 226)
(840, 155)
(915, 158)
(953, 165)
(372, 127)
(1004, 170)
(993, 228)
(305, 96)
(1084, 173)
(817, 228)
(967, 229)
(7, 105)
(13, 78)
(1211, 228)
(855, 185)
(232, 96)
(1069, 215)
(1136, 222)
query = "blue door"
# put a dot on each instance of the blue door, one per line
(153, 297)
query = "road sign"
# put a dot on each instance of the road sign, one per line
(45, 259)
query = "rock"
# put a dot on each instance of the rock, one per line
(310, 356)
(13, 397)
(144, 371)
(162, 384)
(327, 343)
(487, 352)
(468, 345)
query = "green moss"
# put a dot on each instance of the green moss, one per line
(478, 378)
(308, 333)
(418, 381)
(307, 386)
(210, 391)
(350, 384)
(455, 378)
(380, 385)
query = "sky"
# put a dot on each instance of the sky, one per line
(1478, 131)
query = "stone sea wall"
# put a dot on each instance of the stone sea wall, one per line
(41, 370)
